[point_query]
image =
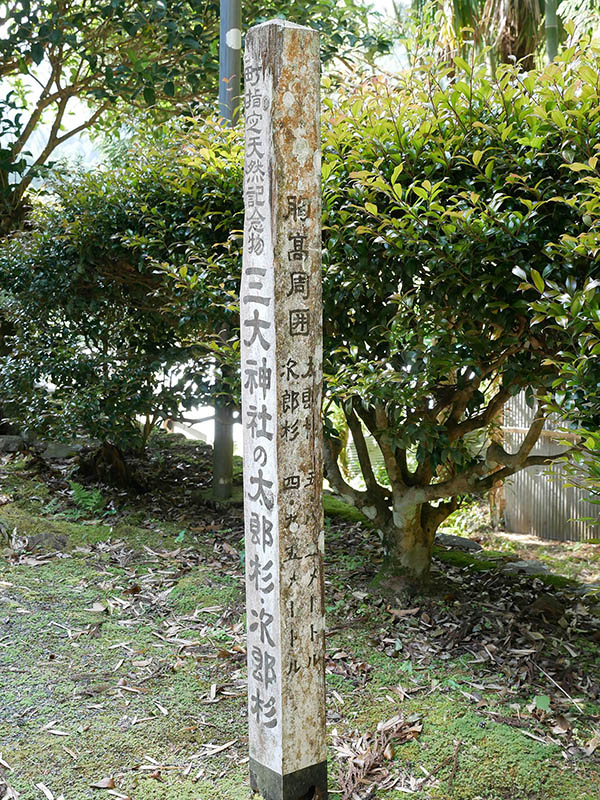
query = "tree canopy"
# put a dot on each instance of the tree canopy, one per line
(97, 59)
(445, 193)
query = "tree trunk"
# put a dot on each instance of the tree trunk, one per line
(551, 25)
(408, 545)
(107, 464)
(7, 329)
(223, 450)
(13, 213)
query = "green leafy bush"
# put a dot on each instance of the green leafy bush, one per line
(572, 306)
(447, 194)
(117, 294)
(119, 57)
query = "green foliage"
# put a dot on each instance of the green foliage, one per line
(572, 306)
(542, 702)
(471, 519)
(90, 500)
(583, 15)
(450, 200)
(118, 292)
(506, 30)
(121, 57)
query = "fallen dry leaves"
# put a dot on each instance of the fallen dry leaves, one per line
(521, 637)
(47, 793)
(104, 783)
(367, 757)
(6, 792)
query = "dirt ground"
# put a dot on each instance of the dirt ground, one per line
(122, 652)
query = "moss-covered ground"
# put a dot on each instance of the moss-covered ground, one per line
(122, 658)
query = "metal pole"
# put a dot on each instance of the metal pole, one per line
(230, 59)
(230, 62)
(551, 25)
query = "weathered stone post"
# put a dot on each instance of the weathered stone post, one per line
(281, 333)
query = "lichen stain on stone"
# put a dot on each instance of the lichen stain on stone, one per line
(301, 149)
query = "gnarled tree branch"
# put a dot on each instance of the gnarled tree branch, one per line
(362, 451)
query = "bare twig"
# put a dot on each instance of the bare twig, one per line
(457, 744)
(558, 686)
(435, 771)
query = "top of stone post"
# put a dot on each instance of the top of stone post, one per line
(281, 23)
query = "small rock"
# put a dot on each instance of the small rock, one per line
(55, 451)
(11, 444)
(46, 542)
(458, 542)
(547, 605)
(528, 567)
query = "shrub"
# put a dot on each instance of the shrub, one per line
(99, 291)
(445, 192)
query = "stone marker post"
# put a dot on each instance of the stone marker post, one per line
(281, 342)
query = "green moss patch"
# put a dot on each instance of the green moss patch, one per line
(458, 558)
(338, 509)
